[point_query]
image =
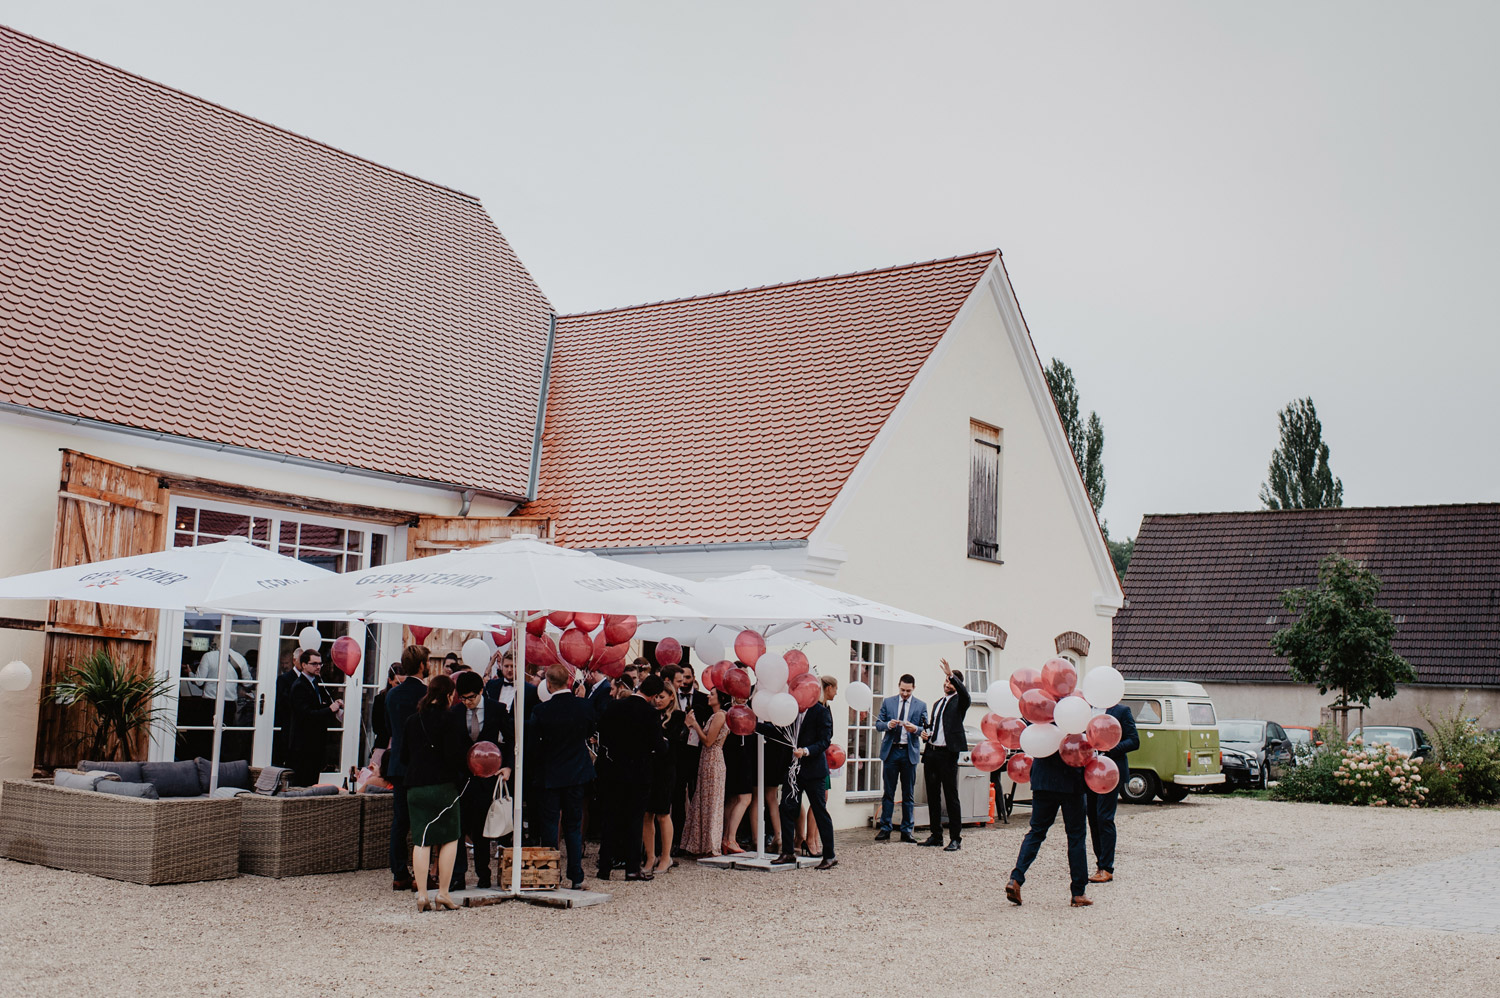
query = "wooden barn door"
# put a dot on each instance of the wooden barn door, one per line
(104, 510)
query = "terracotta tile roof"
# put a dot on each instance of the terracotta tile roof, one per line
(733, 417)
(1203, 589)
(171, 265)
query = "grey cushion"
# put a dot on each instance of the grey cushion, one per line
(129, 772)
(231, 774)
(321, 790)
(123, 789)
(227, 791)
(82, 781)
(172, 779)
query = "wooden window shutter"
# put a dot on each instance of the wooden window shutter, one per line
(104, 510)
(984, 491)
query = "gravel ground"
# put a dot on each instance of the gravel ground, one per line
(891, 918)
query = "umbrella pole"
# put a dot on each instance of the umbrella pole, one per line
(760, 795)
(225, 622)
(518, 708)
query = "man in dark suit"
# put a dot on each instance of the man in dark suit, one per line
(902, 717)
(946, 740)
(313, 712)
(692, 700)
(629, 735)
(1055, 786)
(400, 704)
(812, 733)
(1101, 807)
(483, 721)
(560, 728)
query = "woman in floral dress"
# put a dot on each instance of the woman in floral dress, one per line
(704, 828)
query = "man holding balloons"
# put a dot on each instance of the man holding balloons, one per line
(1101, 805)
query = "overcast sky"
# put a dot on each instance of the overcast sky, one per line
(1206, 209)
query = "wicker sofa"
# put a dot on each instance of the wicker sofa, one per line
(298, 836)
(378, 810)
(167, 841)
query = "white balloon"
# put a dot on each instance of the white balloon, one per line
(475, 654)
(15, 677)
(488, 637)
(782, 709)
(1102, 686)
(761, 704)
(543, 691)
(1040, 740)
(709, 649)
(1001, 700)
(859, 697)
(1072, 715)
(771, 672)
(308, 638)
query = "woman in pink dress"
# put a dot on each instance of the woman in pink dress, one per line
(703, 831)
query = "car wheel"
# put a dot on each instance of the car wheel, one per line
(1140, 787)
(1172, 793)
(1265, 776)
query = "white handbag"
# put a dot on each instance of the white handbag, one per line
(499, 820)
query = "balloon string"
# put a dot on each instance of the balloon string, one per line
(444, 811)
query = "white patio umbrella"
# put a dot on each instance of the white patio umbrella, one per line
(186, 578)
(516, 579)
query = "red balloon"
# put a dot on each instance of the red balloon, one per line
(575, 647)
(1101, 775)
(717, 671)
(805, 689)
(706, 677)
(987, 756)
(1010, 732)
(1019, 768)
(1103, 732)
(836, 756)
(614, 668)
(345, 654)
(537, 626)
(796, 665)
(560, 619)
(1059, 677)
(990, 725)
(1075, 750)
(619, 629)
(587, 621)
(419, 633)
(736, 682)
(616, 653)
(1022, 680)
(749, 647)
(1037, 706)
(540, 650)
(485, 759)
(669, 651)
(502, 637)
(741, 719)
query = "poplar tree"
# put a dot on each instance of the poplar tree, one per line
(1299, 477)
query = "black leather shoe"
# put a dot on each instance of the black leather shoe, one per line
(884, 835)
(576, 885)
(908, 837)
(953, 846)
(404, 885)
(602, 875)
(931, 840)
(827, 864)
(785, 859)
(648, 877)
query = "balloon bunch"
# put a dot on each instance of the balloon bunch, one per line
(581, 641)
(1040, 712)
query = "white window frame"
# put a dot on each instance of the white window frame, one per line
(170, 629)
(978, 649)
(869, 663)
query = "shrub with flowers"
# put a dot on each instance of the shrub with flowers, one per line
(1379, 775)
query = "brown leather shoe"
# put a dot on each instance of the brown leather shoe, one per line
(827, 864)
(1102, 877)
(1013, 892)
(1079, 901)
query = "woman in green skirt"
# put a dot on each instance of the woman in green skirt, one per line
(435, 750)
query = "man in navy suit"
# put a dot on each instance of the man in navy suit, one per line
(946, 741)
(812, 733)
(400, 704)
(902, 718)
(560, 729)
(1101, 807)
(1055, 786)
(483, 719)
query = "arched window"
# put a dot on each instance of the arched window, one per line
(980, 657)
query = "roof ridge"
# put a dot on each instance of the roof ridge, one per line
(784, 284)
(5, 28)
(1325, 509)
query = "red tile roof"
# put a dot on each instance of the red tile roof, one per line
(1204, 589)
(733, 417)
(171, 265)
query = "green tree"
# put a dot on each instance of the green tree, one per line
(1120, 552)
(1299, 477)
(1342, 640)
(1086, 437)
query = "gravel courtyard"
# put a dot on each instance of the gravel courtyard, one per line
(892, 918)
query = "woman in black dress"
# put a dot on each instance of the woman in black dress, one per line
(778, 761)
(739, 782)
(663, 777)
(435, 749)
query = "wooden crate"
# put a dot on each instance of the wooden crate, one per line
(540, 868)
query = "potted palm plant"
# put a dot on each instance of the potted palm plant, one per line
(122, 703)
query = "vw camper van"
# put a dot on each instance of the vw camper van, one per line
(1179, 740)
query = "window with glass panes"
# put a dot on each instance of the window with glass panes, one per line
(862, 775)
(261, 651)
(979, 657)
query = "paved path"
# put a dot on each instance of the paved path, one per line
(1455, 895)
